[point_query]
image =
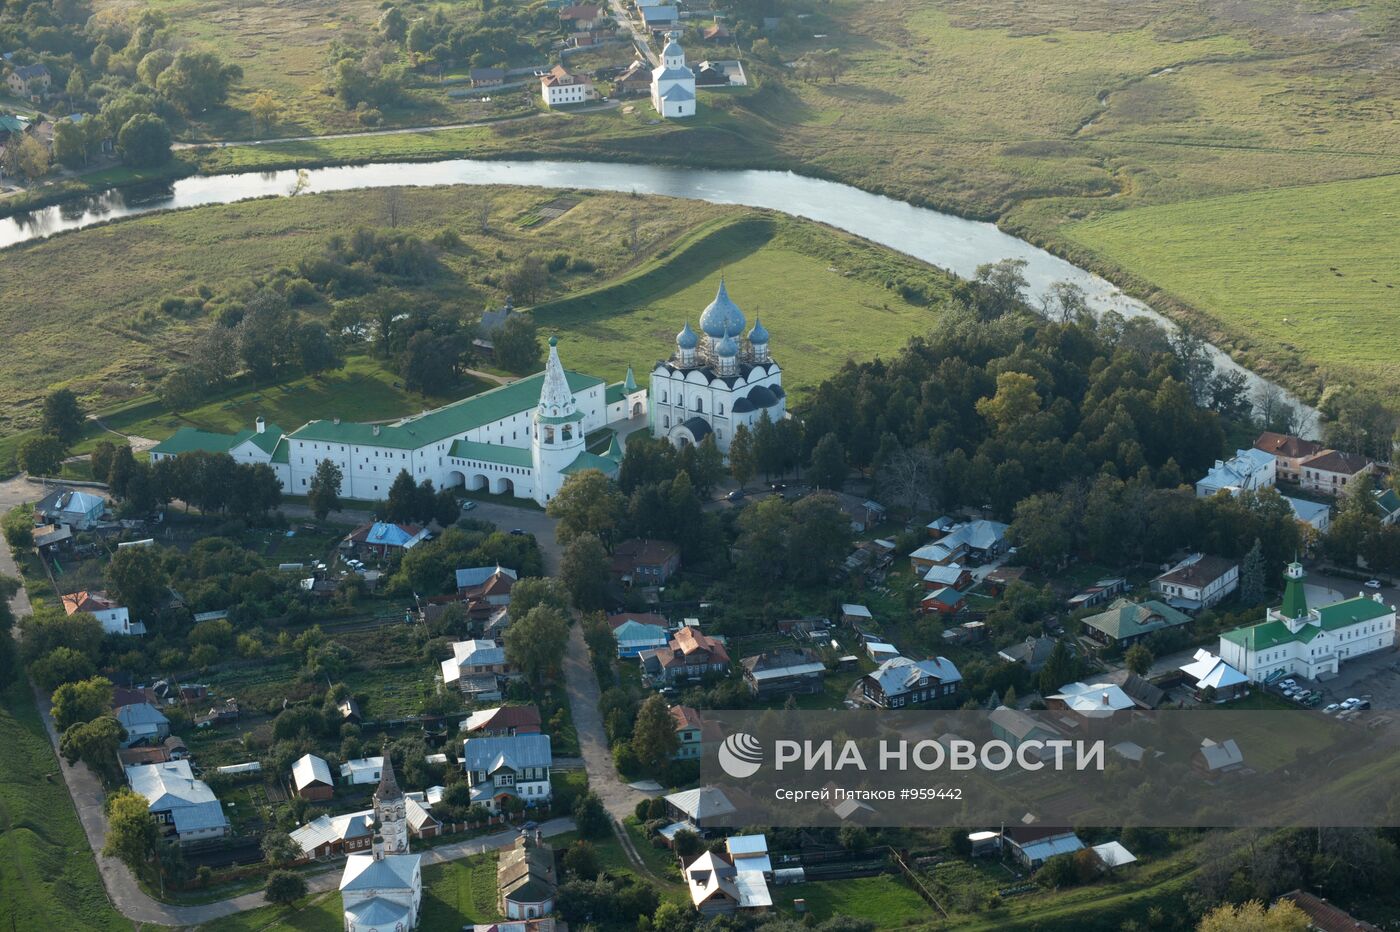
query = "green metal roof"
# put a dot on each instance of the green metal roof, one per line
(265, 441)
(1387, 500)
(1295, 600)
(190, 440)
(458, 417)
(491, 453)
(586, 460)
(1125, 619)
(616, 392)
(282, 452)
(1332, 617)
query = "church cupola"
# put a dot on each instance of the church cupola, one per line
(727, 356)
(673, 56)
(686, 342)
(1294, 609)
(758, 342)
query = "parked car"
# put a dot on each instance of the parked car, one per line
(1334, 707)
(1373, 584)
(1362, 705)
(468, 505)
(1288, 683)
(1302, 697)
(518, 532)
(736, 495)
(1350, 704)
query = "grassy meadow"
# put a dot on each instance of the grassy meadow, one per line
(47, 871)
(806, 282)
(1303, 280)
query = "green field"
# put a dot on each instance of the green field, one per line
(1053, 118)
(1299, 277)
(47, 873)
(99, 331)
(885, 899)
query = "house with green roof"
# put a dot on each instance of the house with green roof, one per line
(1297, 640)
(1124, 622)
(521, 439)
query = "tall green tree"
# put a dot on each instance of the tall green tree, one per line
(537, 642)
(584, 571)
(402, 503)
(144, 141)
(1138, 659)
(323, 494)
(42, 455)
(741, 455)
(706, 467)
(1252, 577)
(95, 743)
(137, 577)
(517, 344)
(1059, 669)
(131, 829)
(82, 701)
(654, 740)
(285, 887)
(828, 467)
(587, 503)
(63, 416)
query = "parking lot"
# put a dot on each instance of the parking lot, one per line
(1377, 675)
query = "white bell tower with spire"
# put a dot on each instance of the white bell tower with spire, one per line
(557, 435)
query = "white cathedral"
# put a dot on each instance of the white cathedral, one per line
(383, 891)
(716, 379)
(673, 83)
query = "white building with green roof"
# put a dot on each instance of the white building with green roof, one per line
(522, 439)
(1295, 640)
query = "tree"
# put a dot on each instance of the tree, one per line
(517, 344)
(1252, 575)
(155, 61)
(706, 467)
(1015, 400)
(285, 887)
(323, 494)
(1003, 285)
(828, 468)
(591, 817)
(538, 590)
(1065, 302)
(266, 335)
(264, 109)
(429, 363)
(588, 503)
(584, 572)
(137, 578)
(393, 24)
(27, 157)
(537, 642)
(741, 455)
(528, 279)
(131, 829)
(95, 743)
(316, 349)
(581, 860)
(1138, 659)
(76, 87)
(42, 455)
(70, 143)
(402, 503)
(144, 141)
(83, 701)
(654, 740)
(1059, 669)
(197, 80)
(63, 416)
(1283, 916)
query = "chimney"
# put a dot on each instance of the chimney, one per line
(260, 425)
(376, 430)
(1105, 698)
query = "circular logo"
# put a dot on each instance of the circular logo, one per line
(741, 755)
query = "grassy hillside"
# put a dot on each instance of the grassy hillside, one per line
(79, 309)
(1300, 278)
(48, 877)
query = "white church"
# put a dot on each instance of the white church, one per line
(522, 439)
(716, 380)
(673, 83)
(383, 890)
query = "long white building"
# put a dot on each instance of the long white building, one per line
(522, 439)
(1295, 640)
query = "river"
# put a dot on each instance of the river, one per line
(944, 240)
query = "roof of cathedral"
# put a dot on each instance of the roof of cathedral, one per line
(673, 49)
(727, 347)
(722, 317)
(759, 333)
(679, 92)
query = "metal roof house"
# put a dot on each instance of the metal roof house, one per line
(182, 805)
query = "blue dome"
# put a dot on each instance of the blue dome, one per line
(727, 347)
(687, 338)
(723, 317)
(758, 334)
(762, 397)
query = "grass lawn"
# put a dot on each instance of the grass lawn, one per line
(1299, 278)
(48, 877)
(885, 900)
(101, 335)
